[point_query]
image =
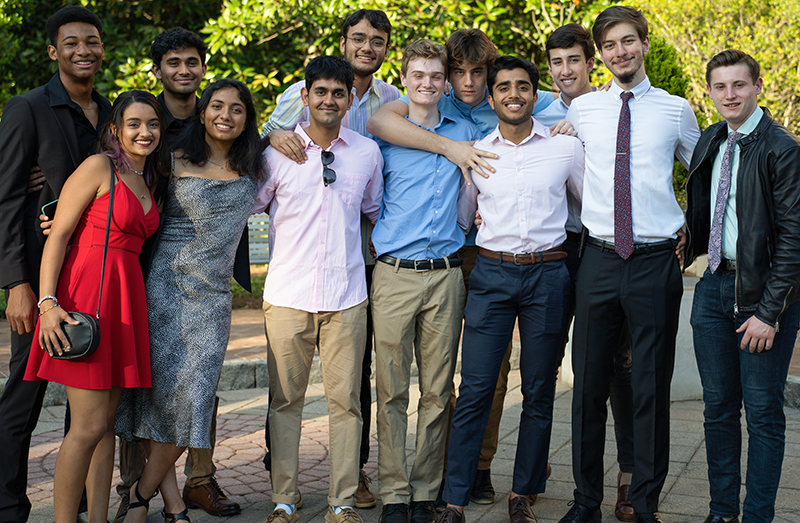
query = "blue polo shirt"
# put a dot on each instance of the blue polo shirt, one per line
(418, 218)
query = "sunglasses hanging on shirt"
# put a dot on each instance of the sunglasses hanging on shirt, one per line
(328, 174)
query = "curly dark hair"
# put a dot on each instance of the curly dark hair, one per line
(67, 15)
(176, 39)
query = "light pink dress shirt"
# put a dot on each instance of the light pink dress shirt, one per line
(524, 202)
(315, 231)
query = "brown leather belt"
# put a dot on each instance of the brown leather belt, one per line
(528, 258)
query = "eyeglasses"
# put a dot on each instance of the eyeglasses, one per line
(376, 43)
(328, 174)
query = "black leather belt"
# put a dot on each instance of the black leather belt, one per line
(422, 265)
(639, 248)
(727, 265)
(573, 236)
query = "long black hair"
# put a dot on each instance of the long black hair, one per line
(155, 164)
(245, 155)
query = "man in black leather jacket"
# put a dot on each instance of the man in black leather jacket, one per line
(744, 211)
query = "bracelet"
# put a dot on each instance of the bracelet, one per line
(48, 297)
(47, 309)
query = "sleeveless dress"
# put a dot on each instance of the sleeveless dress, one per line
(123, 355)
(189, 304)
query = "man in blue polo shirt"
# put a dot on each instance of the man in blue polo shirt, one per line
(418, 292)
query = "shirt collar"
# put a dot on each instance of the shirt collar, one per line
(442, 117)
(59, 96)
(301, 130)
(750, 124)
(637, 91)
(464, 107)
(496, 136)
(169, 119)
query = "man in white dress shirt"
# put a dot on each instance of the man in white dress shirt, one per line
(629, 273)
(519, 275)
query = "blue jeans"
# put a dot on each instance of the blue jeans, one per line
(499, 294)
(730, 377)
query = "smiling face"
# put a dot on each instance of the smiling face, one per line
(513, 96)
(327, 101)
(140, 131)
(78, 51)
(365, 60)
(734, 93)
(424, 81)
(181, 71)
(469, 82)
(623, 53)
(570, 70)
(225, 117)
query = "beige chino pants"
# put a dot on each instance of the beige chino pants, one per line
(415, 314)
(293, 336)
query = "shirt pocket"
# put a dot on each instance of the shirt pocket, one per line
(353, 187)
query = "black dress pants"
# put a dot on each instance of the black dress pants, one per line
(20, 405)
(645, 290)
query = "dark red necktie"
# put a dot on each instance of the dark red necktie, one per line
(623, 223)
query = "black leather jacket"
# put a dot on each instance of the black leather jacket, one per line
(768, 212)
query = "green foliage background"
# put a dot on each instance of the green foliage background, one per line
(266, 43)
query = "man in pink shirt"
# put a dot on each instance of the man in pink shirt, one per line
(519, 276)
(315, 293)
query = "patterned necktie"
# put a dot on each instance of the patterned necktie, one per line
(715, 237)
(623, 223)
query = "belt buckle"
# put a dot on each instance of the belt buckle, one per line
(515, 258)
(417, 262)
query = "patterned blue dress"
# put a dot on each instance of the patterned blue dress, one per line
(189, 306)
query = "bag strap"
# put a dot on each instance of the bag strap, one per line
(108, 229)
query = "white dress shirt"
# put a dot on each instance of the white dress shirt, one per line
(315, 261)
(663, 127)
(524, 202)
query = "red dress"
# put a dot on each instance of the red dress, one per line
(123, 356)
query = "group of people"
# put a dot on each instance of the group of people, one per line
(400, 219)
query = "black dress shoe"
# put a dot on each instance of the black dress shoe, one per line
(647, 517)
(718, 519)
(394, 513)
(582, 514)
(423, 512)
(482, 489)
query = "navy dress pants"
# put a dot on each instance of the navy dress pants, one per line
(500, 294)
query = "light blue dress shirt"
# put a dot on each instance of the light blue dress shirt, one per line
(418, 218)
(730, 223)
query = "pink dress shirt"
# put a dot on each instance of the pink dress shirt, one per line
(524, 202)
(315, 231)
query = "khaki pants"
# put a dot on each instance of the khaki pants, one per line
(293, 336)
(415, 314)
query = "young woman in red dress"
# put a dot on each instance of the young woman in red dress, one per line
(70, 281)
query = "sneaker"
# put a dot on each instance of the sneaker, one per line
(482, 489)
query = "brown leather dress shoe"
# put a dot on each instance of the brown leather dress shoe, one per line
(451, 515)
(623, 510)
(210, 498)
(365, 498)
(519, 510)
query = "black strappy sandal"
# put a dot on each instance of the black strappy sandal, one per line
(180, 516)
(140, 501)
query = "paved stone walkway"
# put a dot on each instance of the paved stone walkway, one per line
(241, 446)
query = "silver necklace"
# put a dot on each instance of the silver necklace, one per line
(221, 166)
(140, 173)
